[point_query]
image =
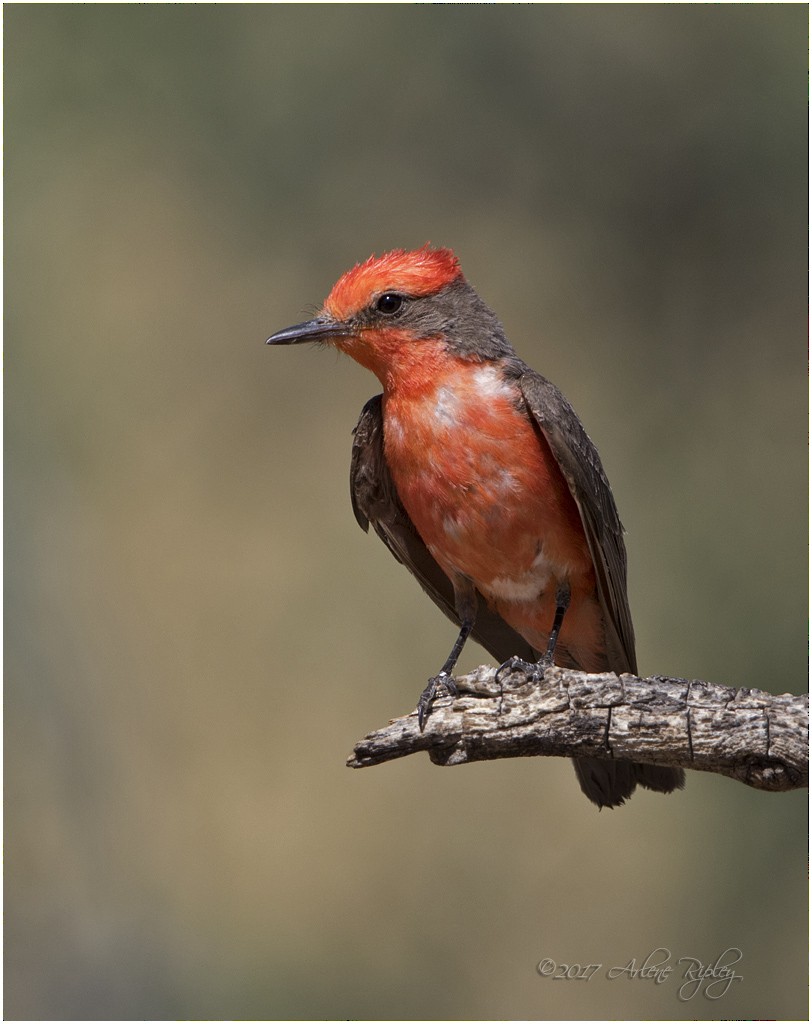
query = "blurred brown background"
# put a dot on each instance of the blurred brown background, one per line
(188, 592)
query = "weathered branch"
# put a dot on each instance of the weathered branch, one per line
(755, 737)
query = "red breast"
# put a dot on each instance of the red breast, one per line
(482, 487)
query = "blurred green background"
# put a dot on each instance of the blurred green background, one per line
(196, 630)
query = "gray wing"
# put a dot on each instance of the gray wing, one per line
(580, 463)
(375, 500)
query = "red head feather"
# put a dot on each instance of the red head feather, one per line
(421, 272)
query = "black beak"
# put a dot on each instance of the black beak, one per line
(319, 329)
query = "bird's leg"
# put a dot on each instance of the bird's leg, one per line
(465, 602)
(536, 672)
(562, 602)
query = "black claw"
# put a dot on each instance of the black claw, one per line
(533, 670)
(513, 664)
(426, 700)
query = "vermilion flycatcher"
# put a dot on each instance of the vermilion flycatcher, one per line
(479, 477)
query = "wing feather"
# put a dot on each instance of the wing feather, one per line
(580, 463)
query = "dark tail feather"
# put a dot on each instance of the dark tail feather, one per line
(658, 778)
(611, 783)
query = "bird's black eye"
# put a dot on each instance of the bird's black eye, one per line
(389, 303)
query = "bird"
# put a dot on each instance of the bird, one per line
(479, 477)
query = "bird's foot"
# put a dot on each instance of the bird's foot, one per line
(533, 670)
(442, 681)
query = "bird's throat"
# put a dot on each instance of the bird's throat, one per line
(405, 365)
